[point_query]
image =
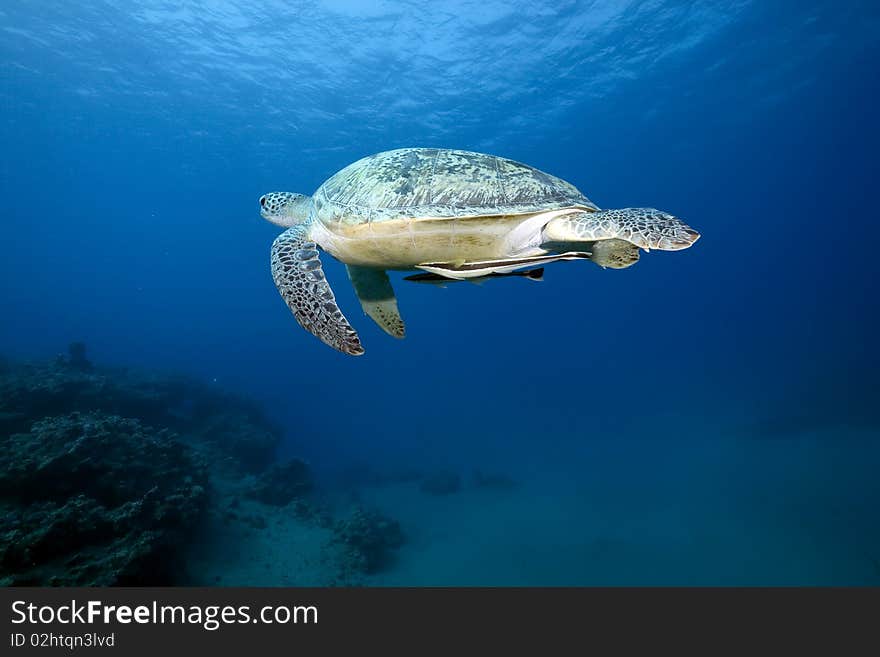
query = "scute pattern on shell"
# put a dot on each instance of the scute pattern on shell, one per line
(432, 182)
(296, 270)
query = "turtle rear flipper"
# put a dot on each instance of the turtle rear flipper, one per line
(296, 270)
(374, 291)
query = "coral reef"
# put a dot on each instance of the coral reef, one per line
(115, 476)
(368, 538)
(280, 484)
(204, 416)
(104, 473)
(92, 499)
(76, 357)
(108, 458)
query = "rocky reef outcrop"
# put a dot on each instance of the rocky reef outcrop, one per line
(369, 539)
(107, 473)
(282, 483)
(117, 476)
(95, 499)
(203, 415)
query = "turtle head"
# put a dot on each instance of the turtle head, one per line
(285, 209)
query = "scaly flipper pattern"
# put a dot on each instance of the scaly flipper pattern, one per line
(296, 270)
(647, 228)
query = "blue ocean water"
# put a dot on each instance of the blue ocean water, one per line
(704, 417)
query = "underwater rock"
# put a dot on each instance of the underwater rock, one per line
(441, 483)
(33, 391)
(212, 421)
(90, 499)
(76, 357)
(250, 443)
(369, 537)
(255, 521)
(311, 513)
(115, 476)
(108, 458)
(282, 483)
(10, 421)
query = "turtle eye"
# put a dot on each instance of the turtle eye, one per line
(263, 201)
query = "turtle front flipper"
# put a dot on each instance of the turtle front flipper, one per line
(647, 228)
(373, 289)
(296, 270)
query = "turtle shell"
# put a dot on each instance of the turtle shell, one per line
(433, 182)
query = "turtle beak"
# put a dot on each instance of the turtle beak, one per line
(269, 211)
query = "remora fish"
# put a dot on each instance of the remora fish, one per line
(441, 281)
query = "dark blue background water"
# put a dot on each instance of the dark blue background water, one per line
(715, 407)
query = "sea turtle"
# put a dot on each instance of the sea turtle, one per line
(452, 213)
